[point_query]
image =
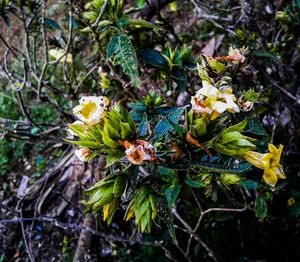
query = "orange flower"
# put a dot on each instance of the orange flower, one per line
(139, 151)
(234, 56)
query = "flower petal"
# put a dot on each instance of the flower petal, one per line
(208, 90)
(279, 172)
(270, 178)
(255, 159)
(220, 107)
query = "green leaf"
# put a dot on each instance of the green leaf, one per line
(163, 127)
(86, 143)
(104, 24)
(255, 127)
(219, 164)
(141, 209)
(180, 164)
(119, 186)
(237, 127)
(126, 131)
(143, 127)
(96, 196)
(51, 24)
(261, 208)
(153, 204)
(152, 57)
(108, 141)
(143, 23)
(217, 66)
(192, 183)
(165, 213)
(113, 157)
(106, 199)
(140, 3)
(249, 184)
(142, 193)
(165, 110)
(120, 47)
(124, 21)
(171, 193)
(90, 15)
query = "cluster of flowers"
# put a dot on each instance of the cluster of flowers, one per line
(209, 102)
(90, 112)
(213, 101)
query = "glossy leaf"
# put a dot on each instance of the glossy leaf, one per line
(152, 57)
(143, 127)
(164, 127)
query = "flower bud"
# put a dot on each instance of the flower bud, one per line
(229, 179)
(231, 142)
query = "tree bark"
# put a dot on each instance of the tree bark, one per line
(85, 239)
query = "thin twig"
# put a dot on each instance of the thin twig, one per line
(94, 25)
(75, 227)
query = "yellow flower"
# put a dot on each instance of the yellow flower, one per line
(109, 209)
(91, 109)
(213, 101)
(269, 162)
(291, 201)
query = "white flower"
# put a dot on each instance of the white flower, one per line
(229, 97)
(213, 101)
(202, 100)
(76, 123)
(208, 90)
(82, 153)
(91, 109)
(220, 107)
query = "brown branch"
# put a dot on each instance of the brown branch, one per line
(85, 238)
(152, 7)
(75, 227)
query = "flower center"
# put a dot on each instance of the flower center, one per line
(88, 109)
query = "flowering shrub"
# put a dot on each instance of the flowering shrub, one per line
(210, 136)
(176, 113)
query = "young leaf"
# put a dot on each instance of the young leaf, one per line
(143, 23)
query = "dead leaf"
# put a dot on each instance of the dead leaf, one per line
(195, 142)
(213, 45)
(22, 187)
